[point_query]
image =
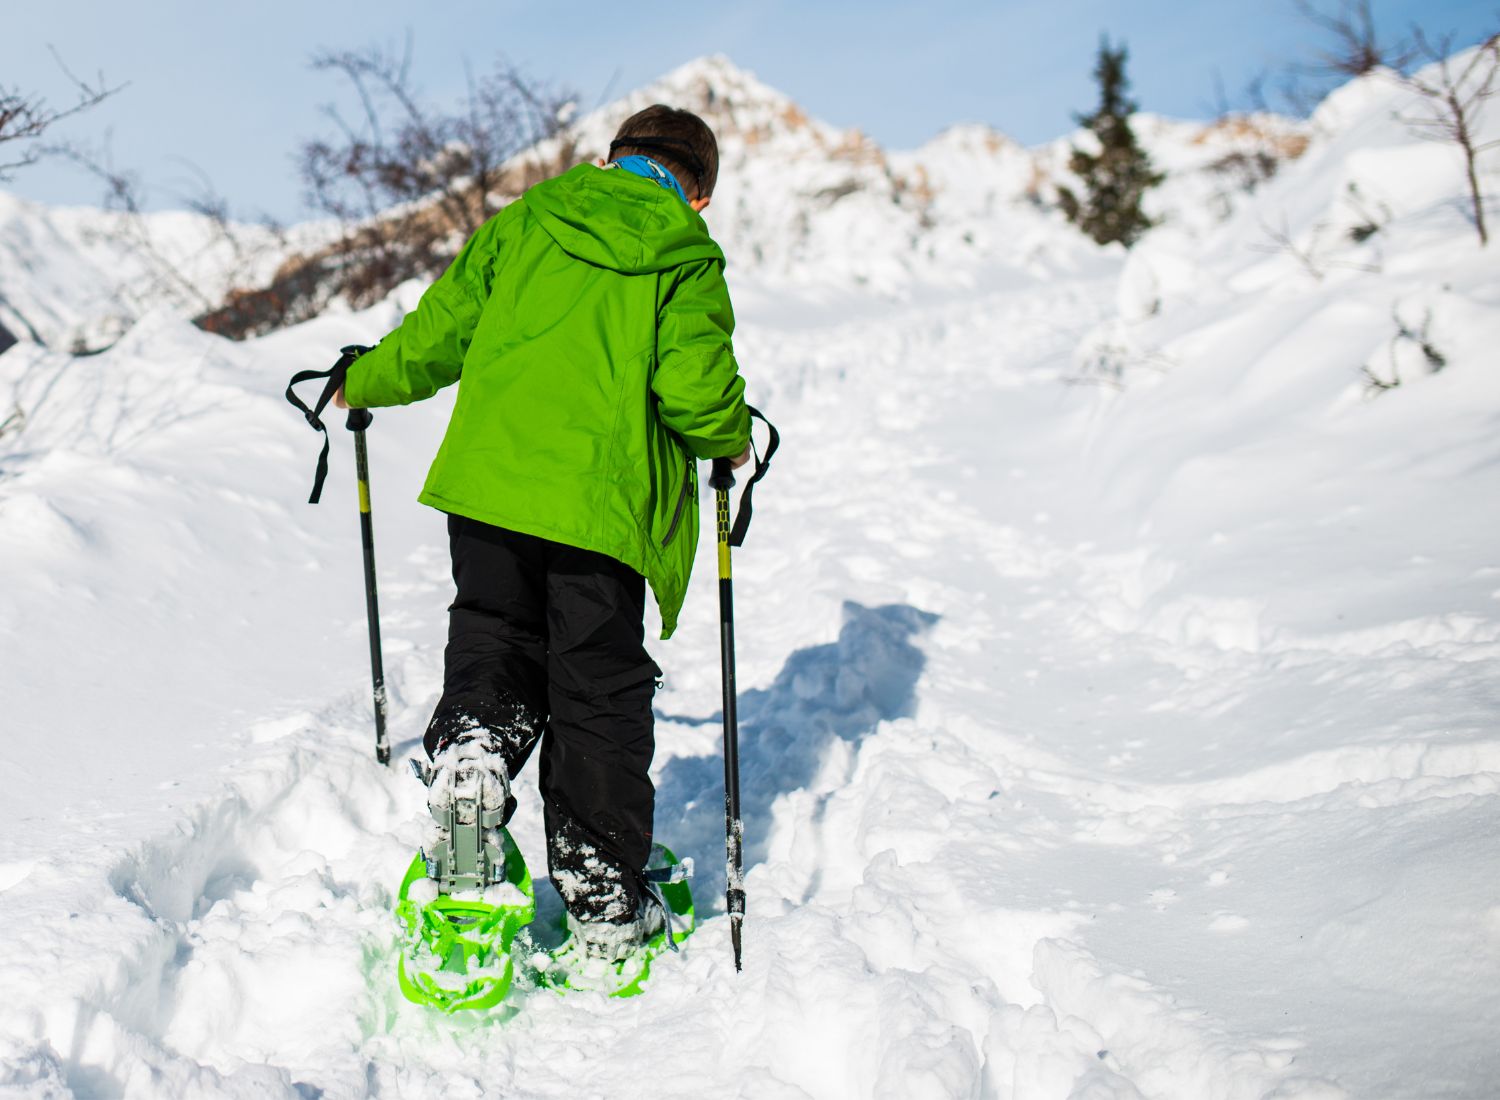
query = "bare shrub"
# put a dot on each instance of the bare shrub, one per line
(1258, 144)
(407, 182)
(1112, 355)
(1245, 170)
(1279, 239)
(14, 422)
(1370, 216)
(1455, 101)
(1407, 335)
(1355, 48)
(1318, 252)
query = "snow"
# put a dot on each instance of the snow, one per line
(76, 278)
(1118, 711)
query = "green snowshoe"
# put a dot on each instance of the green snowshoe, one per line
(461, 909)
(572, 966)
(456, 951)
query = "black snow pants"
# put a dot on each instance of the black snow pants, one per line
(545, 642)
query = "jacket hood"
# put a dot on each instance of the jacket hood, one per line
(618, 220)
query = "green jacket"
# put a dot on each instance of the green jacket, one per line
(590, 324)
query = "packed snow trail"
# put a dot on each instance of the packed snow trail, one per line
(976, 866)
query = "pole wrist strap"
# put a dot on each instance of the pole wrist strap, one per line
(359, 419)
(762, 464)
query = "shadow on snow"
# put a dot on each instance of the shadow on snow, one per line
(840, 691)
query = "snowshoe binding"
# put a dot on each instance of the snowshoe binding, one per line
(615, 959)
(462, 905)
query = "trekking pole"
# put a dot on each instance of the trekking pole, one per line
(358, 421)
(721, 481)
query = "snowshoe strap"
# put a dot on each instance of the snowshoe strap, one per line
(677, 872)
(650, 893)
(762, 464)
(359, 419)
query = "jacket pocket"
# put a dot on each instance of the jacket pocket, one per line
(687, 485)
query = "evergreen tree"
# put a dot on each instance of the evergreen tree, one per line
(1119, 175)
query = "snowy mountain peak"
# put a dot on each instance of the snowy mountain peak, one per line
(748, 116)
(972, 137)
(714, 78)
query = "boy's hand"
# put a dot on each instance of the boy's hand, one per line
(338, 399)
(734, 463)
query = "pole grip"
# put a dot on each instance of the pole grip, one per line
(722, 475)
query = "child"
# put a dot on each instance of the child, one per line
(590, 324)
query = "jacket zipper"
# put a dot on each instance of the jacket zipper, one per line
(687, 482)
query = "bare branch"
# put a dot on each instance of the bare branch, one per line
(123, 196)
(1300, 97)
(1280, 239)
(26, 117)
(1375, 384)
(1255, 93)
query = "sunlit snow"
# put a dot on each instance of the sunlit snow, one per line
(1119, 712)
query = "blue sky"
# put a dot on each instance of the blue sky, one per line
(226, 87)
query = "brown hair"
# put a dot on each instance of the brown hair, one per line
(678, 140)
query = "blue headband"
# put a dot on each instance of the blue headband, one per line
(647, 168)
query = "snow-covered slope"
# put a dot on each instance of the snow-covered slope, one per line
(1120, 717)
(76, 279)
